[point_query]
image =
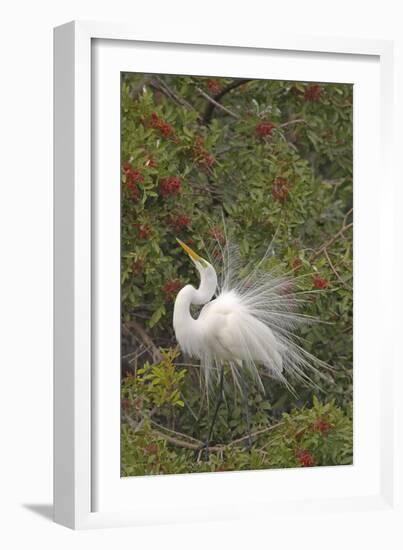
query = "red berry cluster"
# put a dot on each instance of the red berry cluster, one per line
(201, 154)
(305, 458)
(161, 125)
(280, 189)
(264, 128)
(179, 222)
(321, 426)
(313, 92)
(214, 86)
(170, 186)
(144, 232)
(320, 282)
(133, 178)
(171, 288)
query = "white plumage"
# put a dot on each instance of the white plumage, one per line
(249, 325)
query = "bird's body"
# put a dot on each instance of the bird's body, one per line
(224, 329)
(248, 325)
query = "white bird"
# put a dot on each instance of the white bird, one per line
(249, 325)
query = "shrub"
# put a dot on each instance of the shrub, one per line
(276, 163)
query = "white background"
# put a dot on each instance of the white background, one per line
(26, 270)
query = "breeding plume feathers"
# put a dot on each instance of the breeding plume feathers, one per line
(250, 324)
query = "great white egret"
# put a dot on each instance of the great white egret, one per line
(246, 323)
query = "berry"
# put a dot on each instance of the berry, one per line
(264, 128)
(305, 458)
(214, 86)
(135, 191)
(144, 232)
(321, 426)
(320, 282)
(134, 176)
(170, 186)
(171, 288)
(179, 222)
(133, 179)
(160, 124)
(217, 234)
(201, 154)
(313, 92)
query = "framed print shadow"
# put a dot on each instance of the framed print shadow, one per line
(205, 259)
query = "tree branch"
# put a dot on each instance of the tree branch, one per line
(331, 241)
(294, 121)
(208, 113)
(254, 434)
(175, 433)
(188, 442)
(216, 103)
(142, 334)
(161, 85)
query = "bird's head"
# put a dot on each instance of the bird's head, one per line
(208, 277)
(200, 263)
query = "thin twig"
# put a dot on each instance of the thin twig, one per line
(142, 334)
(185, 444)
(330, 242)
(332, 267)
(208, 113)
(216, 103)
(176, 433)
(295, 121)
(179, 439)
(169, 92)
(254, 434)
(136, 426)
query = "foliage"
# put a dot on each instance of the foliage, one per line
(277, 161)
(158, 384)
(316, 436)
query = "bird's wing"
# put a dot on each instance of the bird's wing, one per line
(235, 334)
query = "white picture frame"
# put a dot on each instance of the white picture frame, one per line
(87, 491)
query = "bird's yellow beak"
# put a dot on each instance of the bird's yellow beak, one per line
(191, 252)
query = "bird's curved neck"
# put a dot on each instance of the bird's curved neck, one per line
(188, 330)
(207, 287)
(190, 295)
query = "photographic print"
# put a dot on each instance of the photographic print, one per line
(236, 274)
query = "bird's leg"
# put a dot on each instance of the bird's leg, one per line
(245, 397)
(219, 401)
